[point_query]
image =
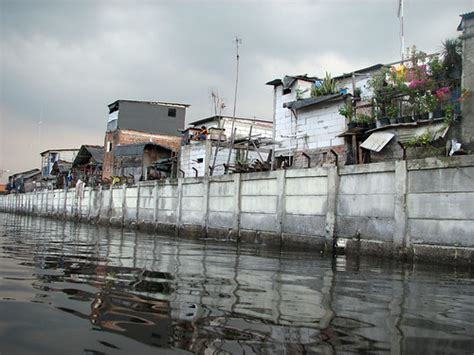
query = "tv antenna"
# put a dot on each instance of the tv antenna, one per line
(238, 42)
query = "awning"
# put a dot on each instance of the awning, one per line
(377, 141)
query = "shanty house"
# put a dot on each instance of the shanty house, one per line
(87, 165)
(307, 127)
(142, 161)
(25, 181)
(210, 148)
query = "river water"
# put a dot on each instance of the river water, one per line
(68, 288)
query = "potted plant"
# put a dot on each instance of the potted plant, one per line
(348, 112)
(381, 120)
(327, 87)
(443, 95)
(364, 120)
(357, 93)
(429, 105)
(392, 113)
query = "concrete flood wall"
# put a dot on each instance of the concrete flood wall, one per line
(420, 208)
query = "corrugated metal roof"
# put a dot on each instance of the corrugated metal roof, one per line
(97, 153)
(296, 105)
(215, 118)
(437, 130)
(377, 141)
(135, 149)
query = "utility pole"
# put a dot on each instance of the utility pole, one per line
(238, 41)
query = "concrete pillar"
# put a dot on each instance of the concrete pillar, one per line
(137, 207)
(281, 210)
(111, 199)
(47, 202)
(208, 158)
(205, 202)
(41, 209)
(467, 81)
(100, 197)
(89, 203)
(59, 203)
(124, 203)
(178, 207)
(333, 188)
(237, 199)
(65, 202)
(400, 210)
(155, 199)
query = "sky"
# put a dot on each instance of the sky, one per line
(62, 62)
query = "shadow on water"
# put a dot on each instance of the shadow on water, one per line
(100, 291)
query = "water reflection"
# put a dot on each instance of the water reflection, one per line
(129, 291)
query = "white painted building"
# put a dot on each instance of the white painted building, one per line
(312, 125)
(197, 157)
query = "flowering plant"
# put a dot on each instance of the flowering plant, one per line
(443, 94)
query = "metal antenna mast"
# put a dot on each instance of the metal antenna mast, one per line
(402, 34)
(238, 41)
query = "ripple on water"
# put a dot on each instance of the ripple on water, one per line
(66, 286)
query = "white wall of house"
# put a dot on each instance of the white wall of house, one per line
(190, 157)
(192, 154)
(361, 82)
(263, 129)
(321, 126)
(285, 124)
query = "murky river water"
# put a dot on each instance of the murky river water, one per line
(68, 288)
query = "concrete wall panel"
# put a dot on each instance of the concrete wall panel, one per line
(381, 205)
(441, 180)
(306, 205)
(362, 184)
(303, 224)
(220, 219)
(368, 228)
(221, 188)
(192, 204)
(259, 187)
(221, 204)
(441, 205)
(307, 186)
(258, 221)
(259, 204)
(442, 232)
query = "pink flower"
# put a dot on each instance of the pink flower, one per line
(443, 92)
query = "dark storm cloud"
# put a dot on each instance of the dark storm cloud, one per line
(64, 61)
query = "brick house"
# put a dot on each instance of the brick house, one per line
(132, 122)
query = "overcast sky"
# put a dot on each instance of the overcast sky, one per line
(62, 62)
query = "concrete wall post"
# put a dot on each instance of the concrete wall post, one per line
(65, 202)
(155, 199)
(178, 207)
(124, 203)
(205, 202)
(137, 207)
(333, 188)
(237, 199)
(89, 203)
(111, 200)
(280, 207)
(400, 234)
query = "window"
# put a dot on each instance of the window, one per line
(200, 160)
(171, 112)
(109, 146)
